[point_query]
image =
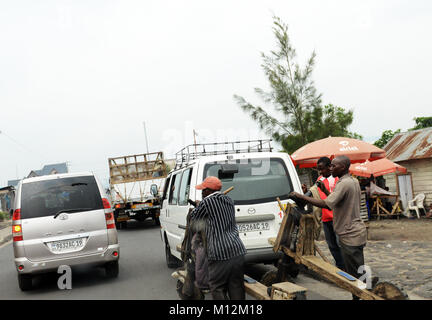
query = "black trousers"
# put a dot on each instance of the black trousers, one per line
(333, 245)
(353, 258)
(227, 277)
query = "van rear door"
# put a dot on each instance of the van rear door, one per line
(62, 217)
(257, 183)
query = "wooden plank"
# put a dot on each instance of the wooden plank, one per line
(286, 291)
(329, 272)
(283, 234)
(257, 290)
(309, 224)
(321, 254)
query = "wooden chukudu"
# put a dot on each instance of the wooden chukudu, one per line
(305, 255)
(278, 291)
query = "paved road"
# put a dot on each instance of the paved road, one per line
(143, 274)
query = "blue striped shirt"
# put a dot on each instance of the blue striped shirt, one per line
(223, 240)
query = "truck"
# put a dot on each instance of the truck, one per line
(135, 185)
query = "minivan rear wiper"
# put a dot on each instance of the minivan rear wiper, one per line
(71, 210)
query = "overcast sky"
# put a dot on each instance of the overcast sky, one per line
(79, 78)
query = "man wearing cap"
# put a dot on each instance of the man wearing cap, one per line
(225, 250)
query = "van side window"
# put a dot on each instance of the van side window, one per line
(165, 191)
(174, 188)
(185, 187)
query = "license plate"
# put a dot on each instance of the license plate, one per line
(142, 206)
(67, 245)
(255, 226)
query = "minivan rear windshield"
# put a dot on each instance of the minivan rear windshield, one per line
(257, 180)
(49, 197)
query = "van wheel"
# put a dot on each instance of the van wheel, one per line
(112, 269)
(171, 261)
(269, 278)
(25, 282)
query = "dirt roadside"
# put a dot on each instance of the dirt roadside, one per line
(403, 229)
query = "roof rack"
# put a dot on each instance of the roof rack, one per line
(195, 151)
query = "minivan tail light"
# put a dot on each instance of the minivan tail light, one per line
(16, 215)
(17, 232)
(110, 220)
(106, 204)
(16, 227)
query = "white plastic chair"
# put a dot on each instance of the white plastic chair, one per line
(417, 203)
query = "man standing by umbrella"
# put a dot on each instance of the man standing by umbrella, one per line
(326, 184)
(347, 223)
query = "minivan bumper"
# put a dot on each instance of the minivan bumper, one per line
(100, 258)
(262, 255)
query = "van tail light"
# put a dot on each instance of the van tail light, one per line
(106, 204)
(16, 226)
(16, 215)
(109, 217)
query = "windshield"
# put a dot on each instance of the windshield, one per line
(47, 198)
(257, 180)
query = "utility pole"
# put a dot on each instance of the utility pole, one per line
(195, 134)
(145, 133)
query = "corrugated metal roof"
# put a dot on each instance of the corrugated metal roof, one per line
(410, 145)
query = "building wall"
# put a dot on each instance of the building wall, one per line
(421, 171)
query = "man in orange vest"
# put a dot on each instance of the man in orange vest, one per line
(326, 184)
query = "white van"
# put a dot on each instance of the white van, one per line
(258, 176)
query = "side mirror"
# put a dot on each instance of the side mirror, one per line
(154, 190)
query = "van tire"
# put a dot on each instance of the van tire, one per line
(25, 282)
(171, 261)
(112, 269)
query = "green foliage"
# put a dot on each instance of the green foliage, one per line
(4, 215)
(300, 116)
(386, 136)
(421, 123)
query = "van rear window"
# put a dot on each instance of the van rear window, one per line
(254, 180)
(46, 198)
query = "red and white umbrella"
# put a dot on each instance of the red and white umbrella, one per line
(356, 150)
(377, 168)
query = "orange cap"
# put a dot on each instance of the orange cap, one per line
(212, 183)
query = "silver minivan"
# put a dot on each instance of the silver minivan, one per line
(62, 219)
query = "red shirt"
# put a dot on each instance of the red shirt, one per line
(330, 183)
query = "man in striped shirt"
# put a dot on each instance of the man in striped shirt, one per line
(225, 250)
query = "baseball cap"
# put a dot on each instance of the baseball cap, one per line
(212, 183)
